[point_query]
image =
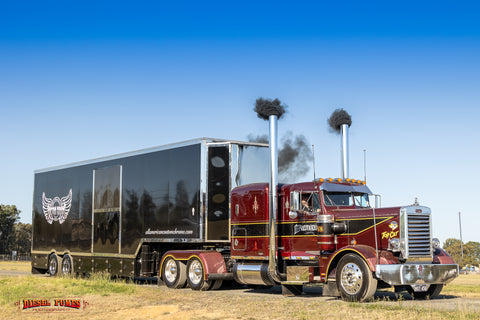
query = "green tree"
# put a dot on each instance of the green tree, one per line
(9, 215)
(23, 238)
(471, 252)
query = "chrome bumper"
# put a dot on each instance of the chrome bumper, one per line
(407, 274)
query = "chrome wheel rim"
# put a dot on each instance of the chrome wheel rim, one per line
(52, 265)
(351, 278)
(66, 266)
(171, 271)
(195, 272)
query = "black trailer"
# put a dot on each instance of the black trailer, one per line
(121, 213)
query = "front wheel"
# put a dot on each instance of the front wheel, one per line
(196, 275)
(432, 292)
(355, 281)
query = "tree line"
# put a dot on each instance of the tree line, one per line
(471, 252)
(14, 235)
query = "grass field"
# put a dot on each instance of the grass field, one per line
(110, 299)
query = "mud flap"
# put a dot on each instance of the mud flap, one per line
(330, 289)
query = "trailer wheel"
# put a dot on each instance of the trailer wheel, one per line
(355, 281)
(67, 265)
(195, 275)
(432, 292)
(53, 265)
(174, 273)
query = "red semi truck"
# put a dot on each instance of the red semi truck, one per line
(327, 233)
(320, 232)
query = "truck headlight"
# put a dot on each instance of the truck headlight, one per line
(394, 244)
(435, 243)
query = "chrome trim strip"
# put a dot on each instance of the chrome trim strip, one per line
(87, 254)
(148, 150)
(120, 217)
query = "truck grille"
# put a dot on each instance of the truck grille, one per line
(417, 235)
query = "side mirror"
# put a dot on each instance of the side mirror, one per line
(294, 200)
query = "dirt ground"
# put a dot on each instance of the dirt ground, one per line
(386, 298)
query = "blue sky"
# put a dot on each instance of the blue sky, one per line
(85, 79)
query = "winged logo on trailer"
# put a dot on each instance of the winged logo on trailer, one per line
(56, 209)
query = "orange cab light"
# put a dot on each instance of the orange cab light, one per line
(348, 179)
(330, 179)
(364, 182)
(321, 179)
(354, 181)
(339, 180)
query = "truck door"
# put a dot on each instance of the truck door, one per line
(107, 193)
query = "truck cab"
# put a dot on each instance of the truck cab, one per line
(329, 232)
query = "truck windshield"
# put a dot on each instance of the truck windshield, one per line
(346, 199)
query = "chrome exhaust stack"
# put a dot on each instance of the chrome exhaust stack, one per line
(273, 199)
(272, 110)
(344, 151)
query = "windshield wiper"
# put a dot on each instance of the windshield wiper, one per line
(331, 201)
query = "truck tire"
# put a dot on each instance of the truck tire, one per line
(196, 275)
(217, 284)
(67, 265)
(354, 278)
(52, 265)
(432, 292)
(174, 273)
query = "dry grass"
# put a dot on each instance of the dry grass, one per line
(16, 265)
(112, 300)
(464, 286)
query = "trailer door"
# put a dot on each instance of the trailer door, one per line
(107, 193)
(218, 222)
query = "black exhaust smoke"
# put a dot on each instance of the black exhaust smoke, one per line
(294, 155)
(266, 108)
(340, 121)
(338, 118)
